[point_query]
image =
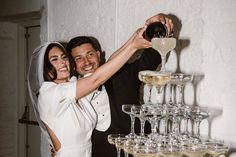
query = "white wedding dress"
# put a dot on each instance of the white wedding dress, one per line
(72, 123)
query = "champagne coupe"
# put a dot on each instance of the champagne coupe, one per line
(154, 116)
(180, 80)
(144, 150)
(117, 140)
(126, 108)
(170, 151)
(128, 146)
(140, 112)
(217, 149)
(196, 150)
(147, 79)
(163, 46)
(159, 80)
(198, 114)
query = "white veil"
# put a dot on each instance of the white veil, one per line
(35, 80)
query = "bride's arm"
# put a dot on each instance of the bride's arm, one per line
(104, 72)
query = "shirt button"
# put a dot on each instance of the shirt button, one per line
(103, 115)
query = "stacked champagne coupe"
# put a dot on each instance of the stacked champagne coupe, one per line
(170, 133)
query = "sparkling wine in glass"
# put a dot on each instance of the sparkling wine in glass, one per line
(144, 150)
(170, 151)
(195, 150)
(217, 149)
(163, 46)
(117, 140)
(147, 79)
(128, 146)
(159, 80)
(154, 78)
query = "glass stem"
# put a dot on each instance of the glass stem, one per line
(159, 96)
(150, 93)
(132, 117)
(153, 126)
(171, 101)
(118, 151)
(197, 128)
(185, 125)
(181, 95)
(163, 62)
(142, 121)
(165, 126)
(176, 125)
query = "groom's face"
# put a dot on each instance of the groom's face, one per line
(86, 58)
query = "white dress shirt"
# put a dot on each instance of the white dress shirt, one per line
(100, 102)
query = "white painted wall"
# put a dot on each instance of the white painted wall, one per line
(206, 48)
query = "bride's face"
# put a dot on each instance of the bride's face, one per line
(61, 64)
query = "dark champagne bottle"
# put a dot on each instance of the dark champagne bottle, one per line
(155, 30)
